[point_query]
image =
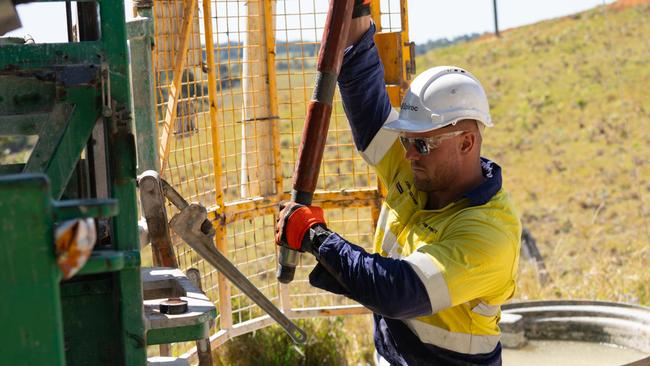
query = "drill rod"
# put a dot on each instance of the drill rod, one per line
(319, 110)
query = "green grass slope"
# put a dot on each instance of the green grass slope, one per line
(570, 99)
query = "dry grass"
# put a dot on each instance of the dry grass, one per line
(571, 114)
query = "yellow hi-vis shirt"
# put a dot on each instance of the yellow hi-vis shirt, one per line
(465, 254)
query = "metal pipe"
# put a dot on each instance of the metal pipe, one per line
(496, 19)
(142, 84)
(68, 20)
(269, 33)
(225, 307)
(314, 134)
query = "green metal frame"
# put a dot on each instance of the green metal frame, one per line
(33, 330)
(30, 311)
(141, 40)
(55, 91)
(192, 332)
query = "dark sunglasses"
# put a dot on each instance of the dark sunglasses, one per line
(424, 145)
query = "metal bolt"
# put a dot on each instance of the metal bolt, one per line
(173, 306)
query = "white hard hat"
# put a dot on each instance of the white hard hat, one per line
(439, 97)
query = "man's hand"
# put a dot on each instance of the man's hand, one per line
(293, 225)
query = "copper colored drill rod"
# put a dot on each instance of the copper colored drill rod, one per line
(335, 36)
(314, 133)
(311, 149)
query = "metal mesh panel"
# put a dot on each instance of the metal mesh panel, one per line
(189, 167)
(233, 146)
(251, 246)
(244, 108)
(299, 26)
(391, 15)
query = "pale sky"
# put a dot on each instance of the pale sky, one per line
(428, 19)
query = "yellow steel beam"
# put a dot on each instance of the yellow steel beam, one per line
(269, 30)
(408, 50)
(375, 13)
(389, 46)
(249, 208)
(225, 307)
(189, 9)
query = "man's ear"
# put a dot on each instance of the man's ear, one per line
(467, 143)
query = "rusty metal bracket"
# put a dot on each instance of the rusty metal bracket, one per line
(153, 208)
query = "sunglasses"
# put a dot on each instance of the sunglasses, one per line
(424, 145)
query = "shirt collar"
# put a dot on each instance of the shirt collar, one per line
(492, 184)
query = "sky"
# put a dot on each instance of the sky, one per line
(428, 19)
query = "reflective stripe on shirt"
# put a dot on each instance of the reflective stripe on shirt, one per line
(458, 342)
(380, 144)
(486, 309)
(390, 245)
(433, 280)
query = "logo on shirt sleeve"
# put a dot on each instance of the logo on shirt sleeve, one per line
(400, 189)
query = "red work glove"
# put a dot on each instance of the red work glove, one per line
(294, 222)
(361, 8)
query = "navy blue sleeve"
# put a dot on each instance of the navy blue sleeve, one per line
(362, 87)
(389, 287)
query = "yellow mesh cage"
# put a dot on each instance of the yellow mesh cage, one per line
(232, 81)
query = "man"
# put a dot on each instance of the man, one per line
(447, 240)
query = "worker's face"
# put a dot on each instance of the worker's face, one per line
(438, 169)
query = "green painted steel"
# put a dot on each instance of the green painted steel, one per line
(65, 210)
(122, 160)
(30, 310)
(180, 334)
(74, 138)
(28, 94)
(11, 168)
(61, 92)
(102, 261)
(92, 325)
(141, 42)
(45, 55)
(20, 124)
(49, 137)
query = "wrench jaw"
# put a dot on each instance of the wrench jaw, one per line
(187, 224)
(193, 226)
(189, 221)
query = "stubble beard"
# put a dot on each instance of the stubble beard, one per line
(438, 180)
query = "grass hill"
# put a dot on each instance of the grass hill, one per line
(571, 107)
